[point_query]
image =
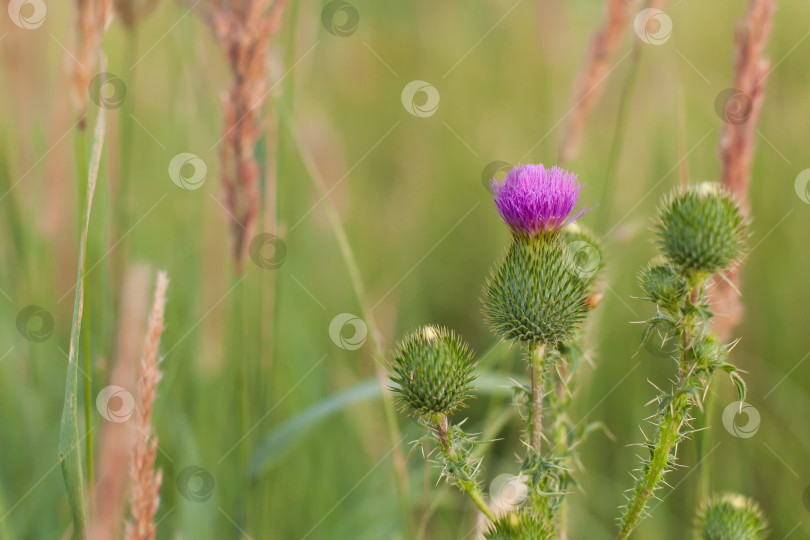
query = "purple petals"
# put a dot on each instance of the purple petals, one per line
(534, 200)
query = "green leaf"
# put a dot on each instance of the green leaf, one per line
(69, 443)
(739, 383)
(283, 436)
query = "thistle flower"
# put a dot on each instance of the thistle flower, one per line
(533, 200)
(700, 230)
(535, 294)
(518, 526)
(433, 371)
(730, 517)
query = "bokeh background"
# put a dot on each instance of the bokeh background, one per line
(410, 193)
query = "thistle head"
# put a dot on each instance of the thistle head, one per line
(701, 230)
(534, 200)
(730, 517)
(520, 525)
(432, 371)
(662, 283)
(535, 294)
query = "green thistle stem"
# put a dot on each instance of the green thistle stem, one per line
(449, 453)
(669, 432)
(669, 428)
(536, 352)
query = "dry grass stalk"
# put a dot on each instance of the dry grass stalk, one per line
(146, 481)
(117, 438)
(131, 11)
(737, 139)
(93, 18)
(245, 29)
(598, 60)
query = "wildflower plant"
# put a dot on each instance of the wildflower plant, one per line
(700, 233)
(537, 295)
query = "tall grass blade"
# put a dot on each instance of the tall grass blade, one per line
(69, 443)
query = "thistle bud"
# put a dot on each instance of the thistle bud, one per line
(432, 371)
(730, 517)
(663, 284)
(518, 526)
(700, 230)
(535, 295)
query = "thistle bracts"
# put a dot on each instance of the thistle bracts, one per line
(535, 295)
(730, 517)
(520, 525)
(432, 372)
(700, 232)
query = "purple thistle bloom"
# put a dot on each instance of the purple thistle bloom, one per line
(534, 200)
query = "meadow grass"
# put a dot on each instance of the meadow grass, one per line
(416, 257)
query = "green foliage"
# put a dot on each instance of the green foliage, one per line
(536, 295)
(432, 371)
(730, 517)
(520, 525)
(700, 230)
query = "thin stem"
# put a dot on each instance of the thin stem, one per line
(472, 488)
(669, 428)
(537, 351)
(475, 494)
(669, 431)
(88, 401)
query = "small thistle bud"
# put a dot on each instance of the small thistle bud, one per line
(730, 517)
(663, 284)
(534, 295)
(432, 371)
(701, 229)
(534, 200)
(518, 526)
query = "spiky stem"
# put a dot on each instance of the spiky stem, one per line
(672, 422)
(536, 352)
(668, 434)
(450, 455)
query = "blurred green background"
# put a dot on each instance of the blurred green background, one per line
(410, 193)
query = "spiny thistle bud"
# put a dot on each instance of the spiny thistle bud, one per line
(432, 371)
(518, 526)
(535, 294)
(730, 517)
(533, 200)
(663, 283)
(700, 230)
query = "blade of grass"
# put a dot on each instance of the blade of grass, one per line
(282, 437)
(69, 454)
